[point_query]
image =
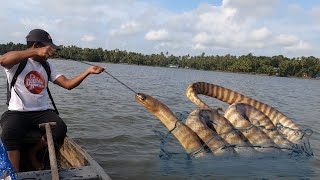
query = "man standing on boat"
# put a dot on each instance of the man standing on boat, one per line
(28, 104)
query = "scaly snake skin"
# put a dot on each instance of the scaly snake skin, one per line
(244, 115)
(224, 129)
(214, 142)
(247, 126)
(187, 138)
(291, 130)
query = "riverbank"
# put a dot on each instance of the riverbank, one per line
(176, 67)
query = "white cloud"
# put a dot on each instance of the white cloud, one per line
(30, 23)
(201, 38)
(128, 28)
(292, 44)
(286, 40)
(221, 28)
(18, 34)
(252, 8)
(213, 19)
(159, 35)
(199, 46)
(215, 26)
(260, 34)
(88, 38)
(300, 46)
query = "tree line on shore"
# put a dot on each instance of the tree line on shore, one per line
(275, 65)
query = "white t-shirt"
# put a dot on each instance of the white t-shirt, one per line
(30, 90)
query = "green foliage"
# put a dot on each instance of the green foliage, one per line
(275, 65)
(11, 47)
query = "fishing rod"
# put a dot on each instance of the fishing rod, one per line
(111, 76)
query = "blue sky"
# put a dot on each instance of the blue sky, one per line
(215, 27)
(183, 5)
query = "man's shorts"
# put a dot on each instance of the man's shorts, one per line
(16, 124)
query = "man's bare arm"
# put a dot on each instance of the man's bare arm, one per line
(74, 82)
(14, 57)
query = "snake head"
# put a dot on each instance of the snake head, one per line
(145, 100)
(149, 102)
(141, 96)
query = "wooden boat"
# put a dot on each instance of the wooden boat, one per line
(73, 163)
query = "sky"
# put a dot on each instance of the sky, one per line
(179, 27)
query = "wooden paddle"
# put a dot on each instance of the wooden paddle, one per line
(52, 153)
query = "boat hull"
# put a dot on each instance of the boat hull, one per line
(73, 163)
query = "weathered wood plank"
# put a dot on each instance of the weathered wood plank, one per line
(85, 172)
(73, 153)
(86, 157)
(74, 163)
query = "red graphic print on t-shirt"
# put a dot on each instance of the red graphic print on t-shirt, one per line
(34, 82)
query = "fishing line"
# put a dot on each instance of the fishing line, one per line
(111, 76)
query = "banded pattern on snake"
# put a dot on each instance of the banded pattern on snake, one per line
(187, 138)
(224, 129)
(245, 128)
(246, 116)
(197, 122)
(291, 130)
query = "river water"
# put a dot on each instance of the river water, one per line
(123, 137)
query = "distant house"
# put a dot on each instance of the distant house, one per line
(305, 75)
(173, 66)
(277, 71)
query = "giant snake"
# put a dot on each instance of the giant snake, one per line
(263, 124)
(291, 130)
(187, 138)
